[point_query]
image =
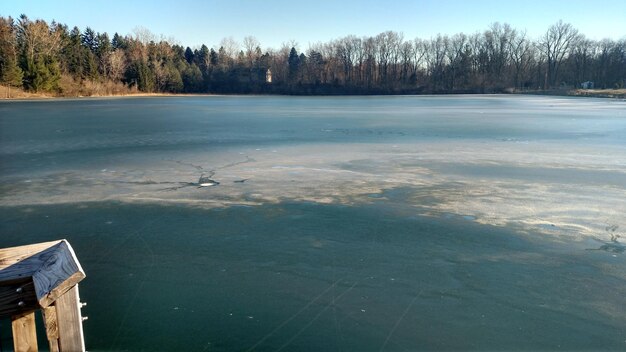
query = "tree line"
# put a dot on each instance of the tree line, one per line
(42, 57)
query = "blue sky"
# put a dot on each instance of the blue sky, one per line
(273, 22)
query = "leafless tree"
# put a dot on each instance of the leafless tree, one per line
(521, 56)
(436, 59)
(144, 35)
(36, 38)
(454, 52)
(407, 52)
(231, 47)
(557, 43)
(117, 64)
(250, 45)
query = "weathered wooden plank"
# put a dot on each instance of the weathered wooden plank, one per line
(13, 255)
(70, 322)
(17, 296)
(52, 265)
(52, 329)
(58, 274)
(43, 275)
(24, 333)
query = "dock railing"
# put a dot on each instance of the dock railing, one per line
(42, 276)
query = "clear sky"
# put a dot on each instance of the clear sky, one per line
(273, 22)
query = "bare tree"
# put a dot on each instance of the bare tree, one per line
(250, 45)
(436, 59)
(144, 35)
(521, 56)
(36, 39)
(231, 47)
(407, 53)
(117, 64)
(345, 52)
(387, 44)
(454, 52)
(496, 43)
(395, 45)
(421, 48)
(370, 47)
(581, 56)
(359, 58)
(556, 44)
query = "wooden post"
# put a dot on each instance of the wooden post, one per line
(52, 328)
(24, 333)
(70, 321)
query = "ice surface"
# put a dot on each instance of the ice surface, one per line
(500, 160)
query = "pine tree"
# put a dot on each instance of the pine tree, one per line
(174, 81)
(192, 78)
(43, 75)
(73, 52)
(10, 73)
(118, 42)
(202, 59)
(89, 64)
(294, 63)
(140, 74)
(214, 58)
(89, 40)
(103, 51)
(189, 55)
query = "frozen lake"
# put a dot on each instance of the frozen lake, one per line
(329, 223)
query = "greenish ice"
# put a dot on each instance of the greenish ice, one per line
(268, 223)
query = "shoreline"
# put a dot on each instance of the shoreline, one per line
(45, 97)
(584, 93)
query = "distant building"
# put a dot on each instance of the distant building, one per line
(587, 85)
(268, 76)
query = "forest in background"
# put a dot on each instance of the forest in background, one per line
(52, 58)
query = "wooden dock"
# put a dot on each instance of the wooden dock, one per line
(42, 277)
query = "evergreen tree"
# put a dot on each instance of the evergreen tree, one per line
(102, 53)
(43, 75)
(89, 65)
(222, 58)
(79, 60)
(103, 45)
(10, 73)
(89, 40)
(146, 81)
(38, 46)
(189, 55)
(140, 74)
(192, 79)
(73, 53)
(202, 59)
(213, 58)
(178, 56)
(174, 81)
(294, 63)
(119, 42)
